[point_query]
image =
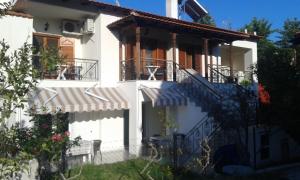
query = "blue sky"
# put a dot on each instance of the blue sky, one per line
(234, 12)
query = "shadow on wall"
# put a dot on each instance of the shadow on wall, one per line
(94, 116)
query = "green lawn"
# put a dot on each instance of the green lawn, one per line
(131, 170)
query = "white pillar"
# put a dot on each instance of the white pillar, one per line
(172, 8)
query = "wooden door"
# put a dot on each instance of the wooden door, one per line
(182, 56)
(189, 61)
(198, 60)
(190, 57)
(161, 54)
(67, 49)
(130, 63)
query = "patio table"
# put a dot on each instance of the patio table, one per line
(152, 70)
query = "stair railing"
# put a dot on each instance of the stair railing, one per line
(213, 102)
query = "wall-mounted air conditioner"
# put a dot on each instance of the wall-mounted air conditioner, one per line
(71, 27)
(89, 26)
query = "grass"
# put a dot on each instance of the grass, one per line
(131, 170)
(122, 170)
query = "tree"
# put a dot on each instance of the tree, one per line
(261, 26)
(290, 28)
(281, 79)
(17, 79)
(208, 20)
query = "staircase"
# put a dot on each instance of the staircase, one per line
(220, 104)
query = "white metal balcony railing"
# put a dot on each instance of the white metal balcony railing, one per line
(221, 74)
(70, 69)
(150, 69)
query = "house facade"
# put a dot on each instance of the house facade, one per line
(128, 76)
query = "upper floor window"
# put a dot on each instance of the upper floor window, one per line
(42, 41)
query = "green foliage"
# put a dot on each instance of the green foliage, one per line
(208, 20)
(13, 158)
(49, 60)
(167, 122)
(125, 170)
(47, 141)
(17, 78)
(4, 7)
(278, 73)
(130, 170)
(245, 83)
(280, 77)
(261, 26)
(290, 27)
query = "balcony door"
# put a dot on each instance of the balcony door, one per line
(190, 57)
(67, 49)
(43, 43)
(153, 54)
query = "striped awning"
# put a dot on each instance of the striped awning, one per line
(70, 99)
(165, 97)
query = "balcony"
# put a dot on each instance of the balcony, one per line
(70, 69)
(223, 74)
(150, 69)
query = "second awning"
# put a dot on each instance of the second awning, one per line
(165, 97)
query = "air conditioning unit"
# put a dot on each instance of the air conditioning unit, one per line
(71, 27)
(89, 26)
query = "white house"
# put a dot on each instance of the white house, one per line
(125, 71)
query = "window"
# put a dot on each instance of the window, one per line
(42, 42)
(265, 146)
(45, 41)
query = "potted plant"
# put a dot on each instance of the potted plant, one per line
(49, 60)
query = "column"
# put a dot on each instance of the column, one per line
(205, 41)
(138, 52)
(230, 61)
(170, 67)
(122, 63)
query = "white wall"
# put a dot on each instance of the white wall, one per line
(188, 116)
(107, 126)
(55, 28)
(276, 135)
(136, 98)
(135, 125)
(251, 56)
(109, 52)
(16, 31)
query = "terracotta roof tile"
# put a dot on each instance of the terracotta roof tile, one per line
(19, 14)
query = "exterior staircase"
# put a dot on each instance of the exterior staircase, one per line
(221, 105)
